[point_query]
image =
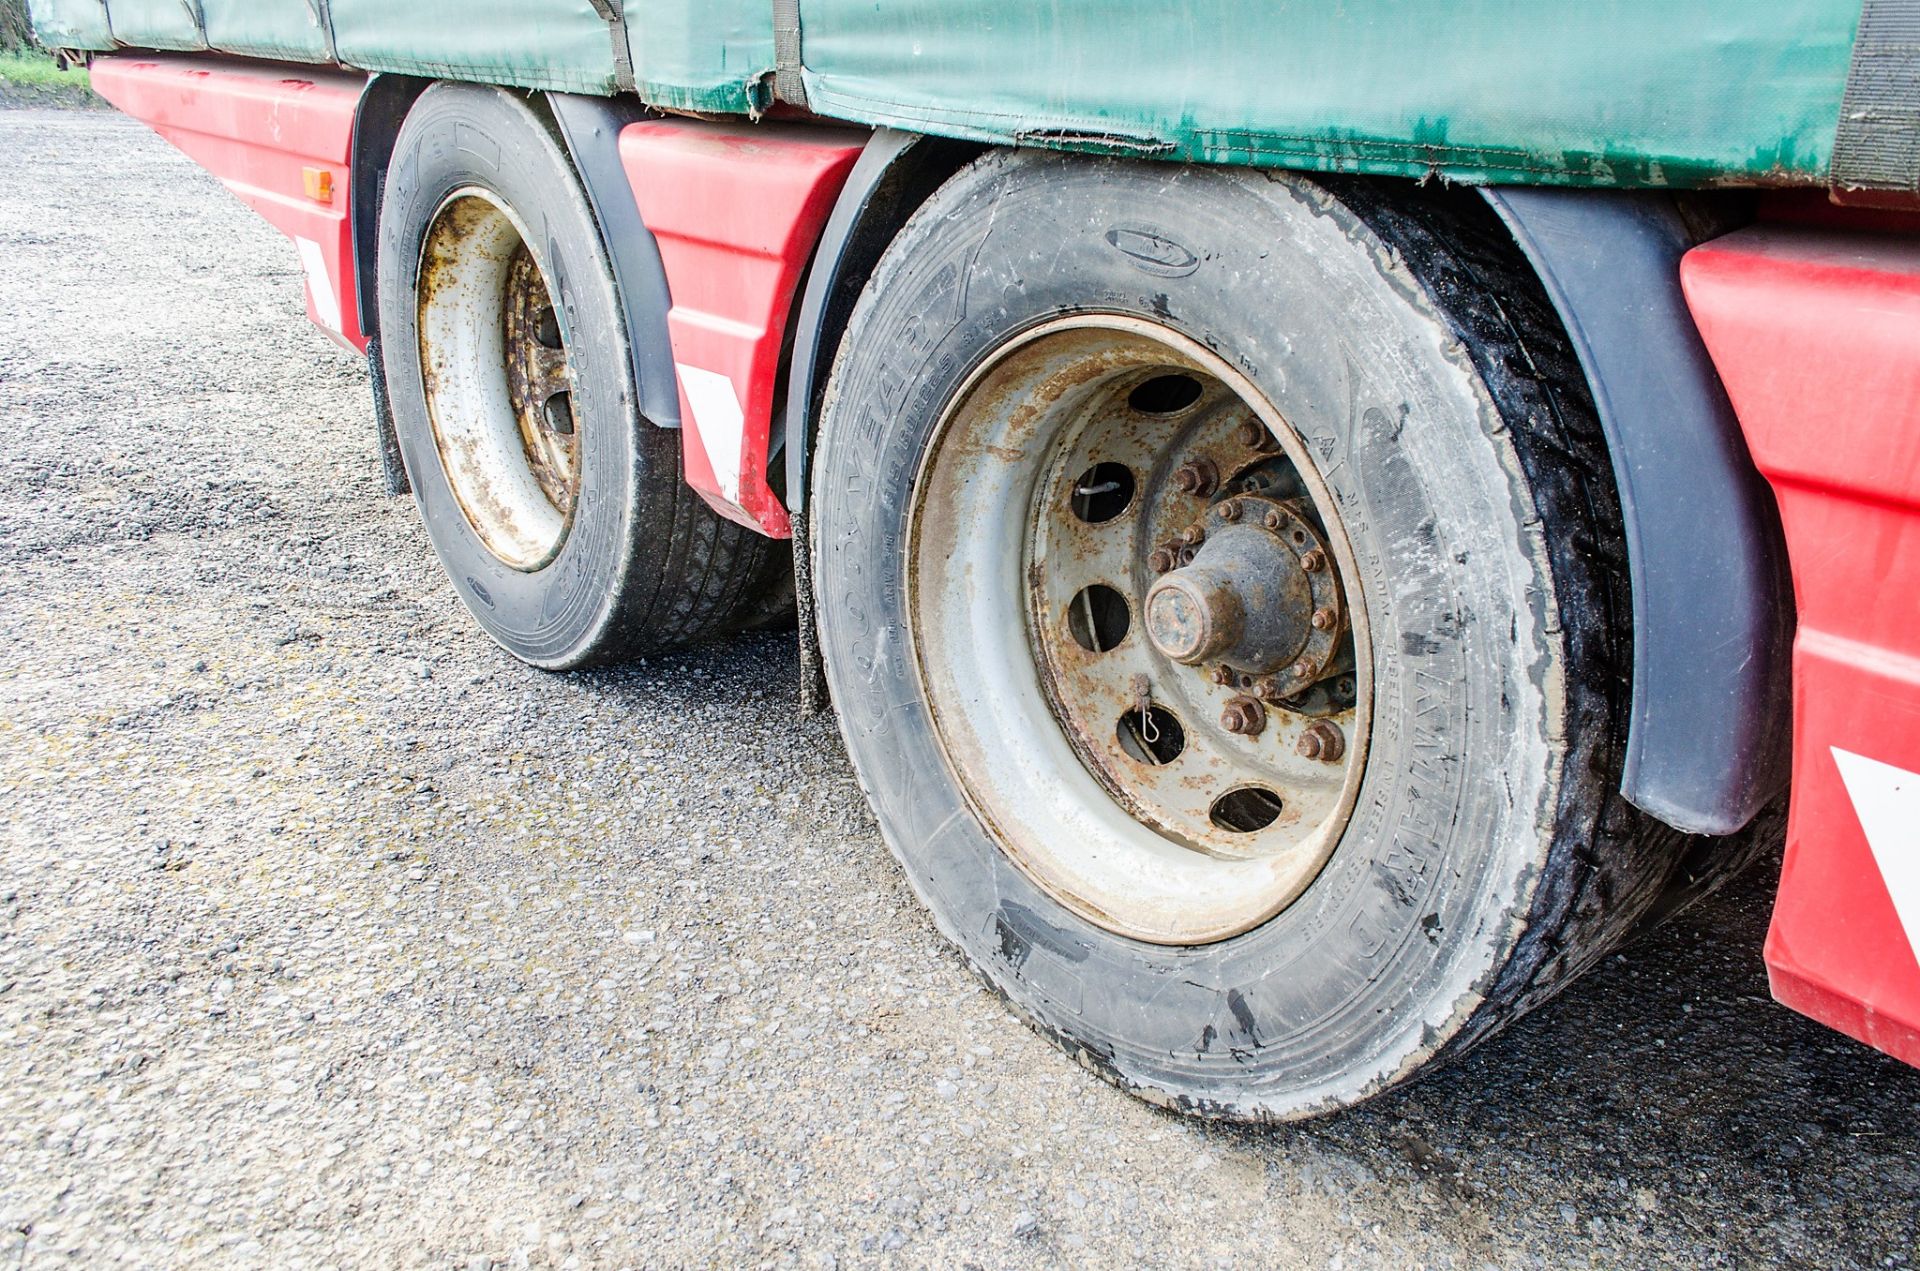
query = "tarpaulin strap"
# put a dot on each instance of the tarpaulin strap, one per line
(616, 20)
(1876, 150)
(788, 86)
(322, 11)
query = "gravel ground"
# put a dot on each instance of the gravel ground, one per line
(330, 936)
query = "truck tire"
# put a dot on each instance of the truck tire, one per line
(557, 511)
(1222, 590)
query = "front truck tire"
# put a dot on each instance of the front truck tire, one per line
(557, 511)
(1256, 812)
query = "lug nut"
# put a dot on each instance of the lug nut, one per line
(1322, 619)
(1197, 477)
(1192, 536)
(1243, 715)
(1274, 520)
(1230, 511)
(1314, 561)
(1163, 559)
(1322, 741)
(1254, 435)
(1221, 675)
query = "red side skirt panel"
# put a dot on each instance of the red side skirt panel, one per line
(737, 211)
(280, 138)
(1816, 333)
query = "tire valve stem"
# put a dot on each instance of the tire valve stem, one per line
(1143, 704)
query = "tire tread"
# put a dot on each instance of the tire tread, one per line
(1610, 863)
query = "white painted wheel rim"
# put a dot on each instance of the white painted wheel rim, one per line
(984, 622)
(516, 487)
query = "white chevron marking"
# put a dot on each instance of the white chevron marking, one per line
(719, 421)
(1887, 801)
(326, 304)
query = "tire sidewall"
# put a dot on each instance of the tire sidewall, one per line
(458, 137)
(1388, 953)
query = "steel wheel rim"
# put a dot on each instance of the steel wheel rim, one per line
(1026, 713)
(499, 386)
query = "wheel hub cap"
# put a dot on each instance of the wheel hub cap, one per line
(1248, 599)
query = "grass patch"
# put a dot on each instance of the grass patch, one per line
(30, 78)
(25, 67)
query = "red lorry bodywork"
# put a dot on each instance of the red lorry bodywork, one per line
(736, 210)
(281, 141)
(1816, 334)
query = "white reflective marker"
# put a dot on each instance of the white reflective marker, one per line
(1887, 801)
(719, 421)
(326, 303)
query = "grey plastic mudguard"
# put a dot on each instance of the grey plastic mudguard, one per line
(591, 127)
(1712, 601)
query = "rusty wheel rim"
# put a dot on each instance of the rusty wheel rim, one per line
(1132, 618)
(499, 385)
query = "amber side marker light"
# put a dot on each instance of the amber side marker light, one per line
(319, 183)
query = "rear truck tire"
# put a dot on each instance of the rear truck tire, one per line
(1223, 594)
(557, 511)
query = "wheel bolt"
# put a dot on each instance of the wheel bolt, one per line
(1163, 559)
(1274, 520)
(1322, 741)
(1244, 715)
(1254, 435)
(1198, 477)
(1314, 561)
(1322, 619)
(1230, 511)
(1221, 675)
(1192, 536)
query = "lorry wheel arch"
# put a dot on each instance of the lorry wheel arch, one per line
(896, 173)
(376, 127)
(1712, 630)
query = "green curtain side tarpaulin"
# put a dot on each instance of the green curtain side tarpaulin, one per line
(1575, 92)
(157, 24)
(558, 44)
(71, 24)
(288, 30)
(705, 55)
(1600, 92)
